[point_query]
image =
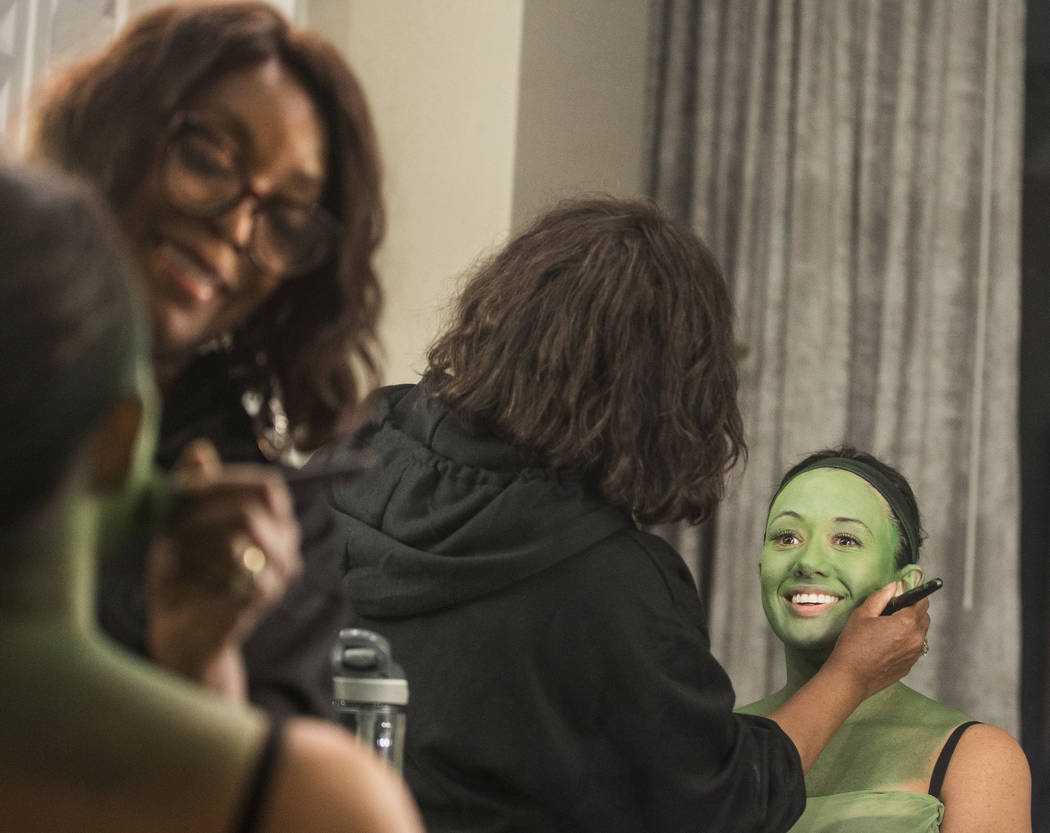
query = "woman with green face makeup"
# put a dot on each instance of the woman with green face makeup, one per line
(93, 739)
(842, 525)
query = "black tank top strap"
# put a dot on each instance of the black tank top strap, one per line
(259, 786)
(941, 767)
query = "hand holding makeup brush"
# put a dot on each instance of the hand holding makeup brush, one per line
(226, 555)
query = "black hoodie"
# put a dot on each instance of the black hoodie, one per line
(559, 669)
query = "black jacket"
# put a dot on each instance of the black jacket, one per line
(558, 664)
(288, 655)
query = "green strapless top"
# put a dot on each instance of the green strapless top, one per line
(867, 811)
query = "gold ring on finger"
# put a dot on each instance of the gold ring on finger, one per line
(253, 559)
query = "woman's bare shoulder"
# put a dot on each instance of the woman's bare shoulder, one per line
(988, 784)
(984, 748)
(327, 781)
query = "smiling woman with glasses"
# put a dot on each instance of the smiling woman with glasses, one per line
(239, 156)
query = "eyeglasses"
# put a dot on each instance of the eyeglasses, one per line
(202, 177)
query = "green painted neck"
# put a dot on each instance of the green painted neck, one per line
(50, 578)
(801, 666)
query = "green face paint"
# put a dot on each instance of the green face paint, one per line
(134, 505)
(829, 543)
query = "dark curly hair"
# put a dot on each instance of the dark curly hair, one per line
(601, 339)
(910, 506)
(103, 119)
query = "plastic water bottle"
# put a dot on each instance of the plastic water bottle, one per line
(370, 692)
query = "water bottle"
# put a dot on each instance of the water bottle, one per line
(370, 692)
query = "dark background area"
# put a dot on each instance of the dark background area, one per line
(1034, 411)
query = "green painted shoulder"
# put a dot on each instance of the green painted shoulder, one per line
(764, 706)
(922, 711)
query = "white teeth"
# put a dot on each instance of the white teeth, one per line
(813, 599)
(189, 266)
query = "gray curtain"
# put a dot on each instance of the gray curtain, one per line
(854, 165)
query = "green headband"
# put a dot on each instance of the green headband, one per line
(882, 484)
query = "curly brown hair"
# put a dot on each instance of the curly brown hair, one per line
(104, 118)
(601, 338)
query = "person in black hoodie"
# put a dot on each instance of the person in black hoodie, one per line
(557, 657)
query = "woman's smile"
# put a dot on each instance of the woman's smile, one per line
(186, 273)
(810, 601)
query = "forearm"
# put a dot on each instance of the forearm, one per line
(225, 674)
(816, 711)
(220, 668)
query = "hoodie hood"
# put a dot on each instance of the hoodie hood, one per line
(445, 517)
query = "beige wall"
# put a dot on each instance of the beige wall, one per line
(582, 101)
(486, 109)
(442, 78)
